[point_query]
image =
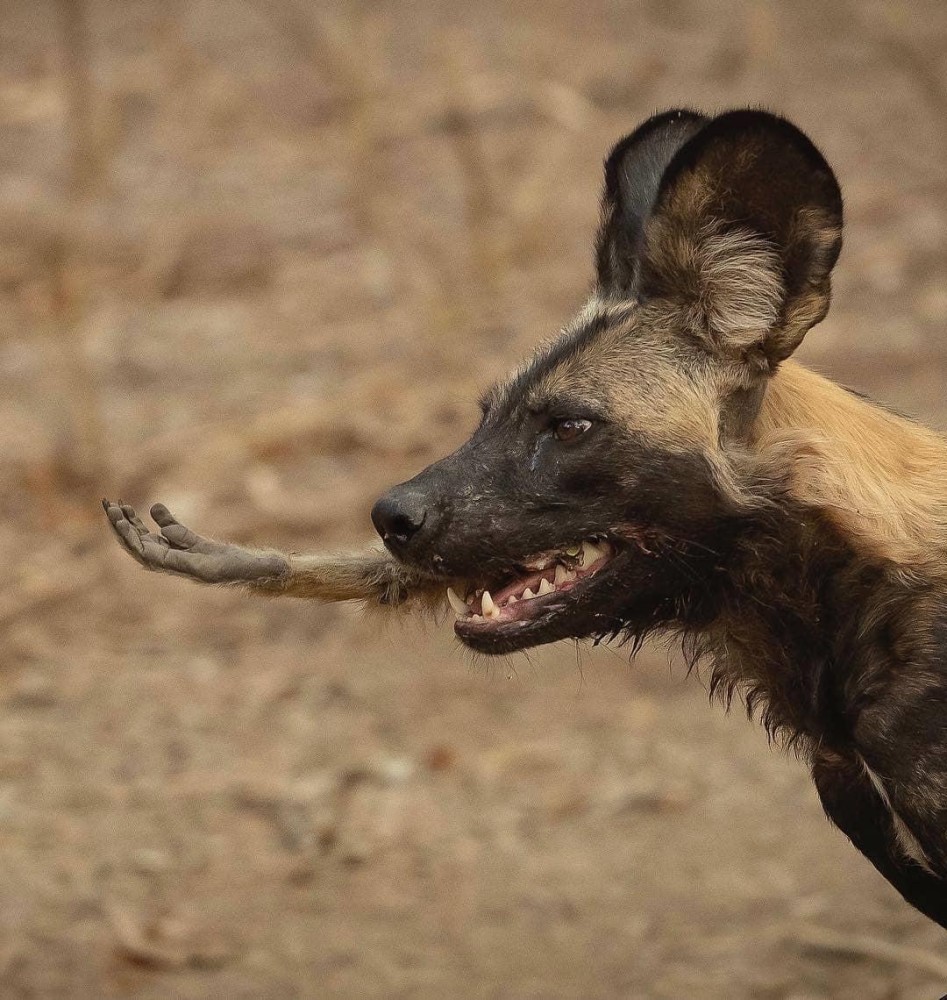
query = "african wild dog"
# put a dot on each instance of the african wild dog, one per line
(664, 467)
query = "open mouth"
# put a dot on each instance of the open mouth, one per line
(538, 589)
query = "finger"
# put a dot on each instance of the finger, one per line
(176, 533)
(126, 532)
(132, 517)
(112, 510)
(123, 525)
(162, 516)
(144, 547)
(117, 518)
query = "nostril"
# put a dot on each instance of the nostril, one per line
(402, 527)
(398, 518)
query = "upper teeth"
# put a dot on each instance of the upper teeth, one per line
(585, 555)
(539, 562)
(456, 603)
(592, 553)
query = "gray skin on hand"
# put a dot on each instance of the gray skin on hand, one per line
(177, 549)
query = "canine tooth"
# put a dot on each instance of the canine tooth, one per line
(528, 595)
(456, 603)
(545, 587)
(591, 553)
(489, 608)
(563, 575)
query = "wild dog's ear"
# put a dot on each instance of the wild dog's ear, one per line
(633, 173)
(743, 235)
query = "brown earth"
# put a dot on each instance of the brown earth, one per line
(260, 274)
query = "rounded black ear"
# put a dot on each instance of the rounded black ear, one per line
(633, 173)
(743, 234)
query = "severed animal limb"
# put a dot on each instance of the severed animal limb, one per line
(371, 576)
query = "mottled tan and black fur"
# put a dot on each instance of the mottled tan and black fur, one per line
(789, 532)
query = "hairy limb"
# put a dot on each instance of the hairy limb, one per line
(375, 576)
(902, 739)
(368, 576)
(857, 809)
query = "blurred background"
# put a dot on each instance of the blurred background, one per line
(257, 257)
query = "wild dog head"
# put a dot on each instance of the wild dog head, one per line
(601, 490)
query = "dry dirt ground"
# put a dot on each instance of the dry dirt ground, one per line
(256, 259)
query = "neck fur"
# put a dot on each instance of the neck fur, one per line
(879, 478)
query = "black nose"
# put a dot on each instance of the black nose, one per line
(398, 515)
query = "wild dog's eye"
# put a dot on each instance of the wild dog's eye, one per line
(570, 429)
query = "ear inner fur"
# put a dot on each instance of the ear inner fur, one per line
(726, 284)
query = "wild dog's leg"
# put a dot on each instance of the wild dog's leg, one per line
(902, 737)
(858, 810)
(178, 550)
